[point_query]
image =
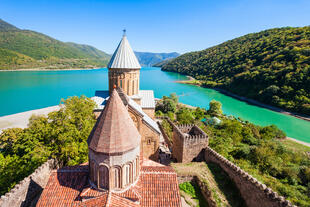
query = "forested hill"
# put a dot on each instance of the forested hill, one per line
(150, 59)
(29, 49)
(272, 66)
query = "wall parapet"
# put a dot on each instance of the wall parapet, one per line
(188, 142)
(254, 192)
(27, 191)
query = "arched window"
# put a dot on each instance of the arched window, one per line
(133, 87)
(128, 87)
(127, 174)
(116, 177)
(91, 169)
(137, 165)
(95, 173)
(121, 84)
(103, 176)
(134, 170)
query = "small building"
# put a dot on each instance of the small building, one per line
(212, 121)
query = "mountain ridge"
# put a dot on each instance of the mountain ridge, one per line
(151, 58)
(41, 51)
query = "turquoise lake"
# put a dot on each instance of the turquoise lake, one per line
(27, 90)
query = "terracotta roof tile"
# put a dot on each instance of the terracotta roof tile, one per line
(114, 132)
(157, 186)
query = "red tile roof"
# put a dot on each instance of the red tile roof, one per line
(114, 132)
(157, 186)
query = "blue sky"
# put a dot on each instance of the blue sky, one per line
(154, 26)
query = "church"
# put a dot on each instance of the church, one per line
(123, 147)
(124, 74)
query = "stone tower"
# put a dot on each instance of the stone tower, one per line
(114, 148)
(124, 69)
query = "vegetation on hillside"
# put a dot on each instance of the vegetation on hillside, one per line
(222, 189)
(29, 49)
(271, 66)
(261, 151)
(192, 189)
(61, 135)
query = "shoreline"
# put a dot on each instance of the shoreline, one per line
(21, 120)
(298, 141)
(38, 69)
(250, 101)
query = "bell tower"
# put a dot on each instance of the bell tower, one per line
(124, 69)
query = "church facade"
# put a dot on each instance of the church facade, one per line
(118, 172)
(124, 74)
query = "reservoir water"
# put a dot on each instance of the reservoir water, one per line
(27, 90)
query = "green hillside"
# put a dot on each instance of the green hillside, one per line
(272, 66)
(38, 50)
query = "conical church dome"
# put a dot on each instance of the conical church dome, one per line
(114, 132)
(124, 57)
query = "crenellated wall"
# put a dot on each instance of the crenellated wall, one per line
(28, 191)
(188, 142)
(253, 192)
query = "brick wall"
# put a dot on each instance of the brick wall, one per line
(253, 192)
(28, 191)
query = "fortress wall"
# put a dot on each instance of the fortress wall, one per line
(253, 192)
(178, 143)
(28, 191)
(188, 141)
(193, 145)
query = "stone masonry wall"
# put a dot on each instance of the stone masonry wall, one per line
(253, 192)
(188, 142)
(27, 192)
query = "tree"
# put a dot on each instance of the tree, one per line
(61, 135)
(215, 108)
(174, 97)
(185, 116)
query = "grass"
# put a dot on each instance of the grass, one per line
(226, 185)
(192, 189)
(295, 146)
(223, 190)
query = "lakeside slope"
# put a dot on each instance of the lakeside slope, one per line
(22, 49)
(272, 67)
(193, 81)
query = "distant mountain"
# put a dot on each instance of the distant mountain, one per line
(28, 49)
(149, 58)
(272, 66)
(162, 63)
